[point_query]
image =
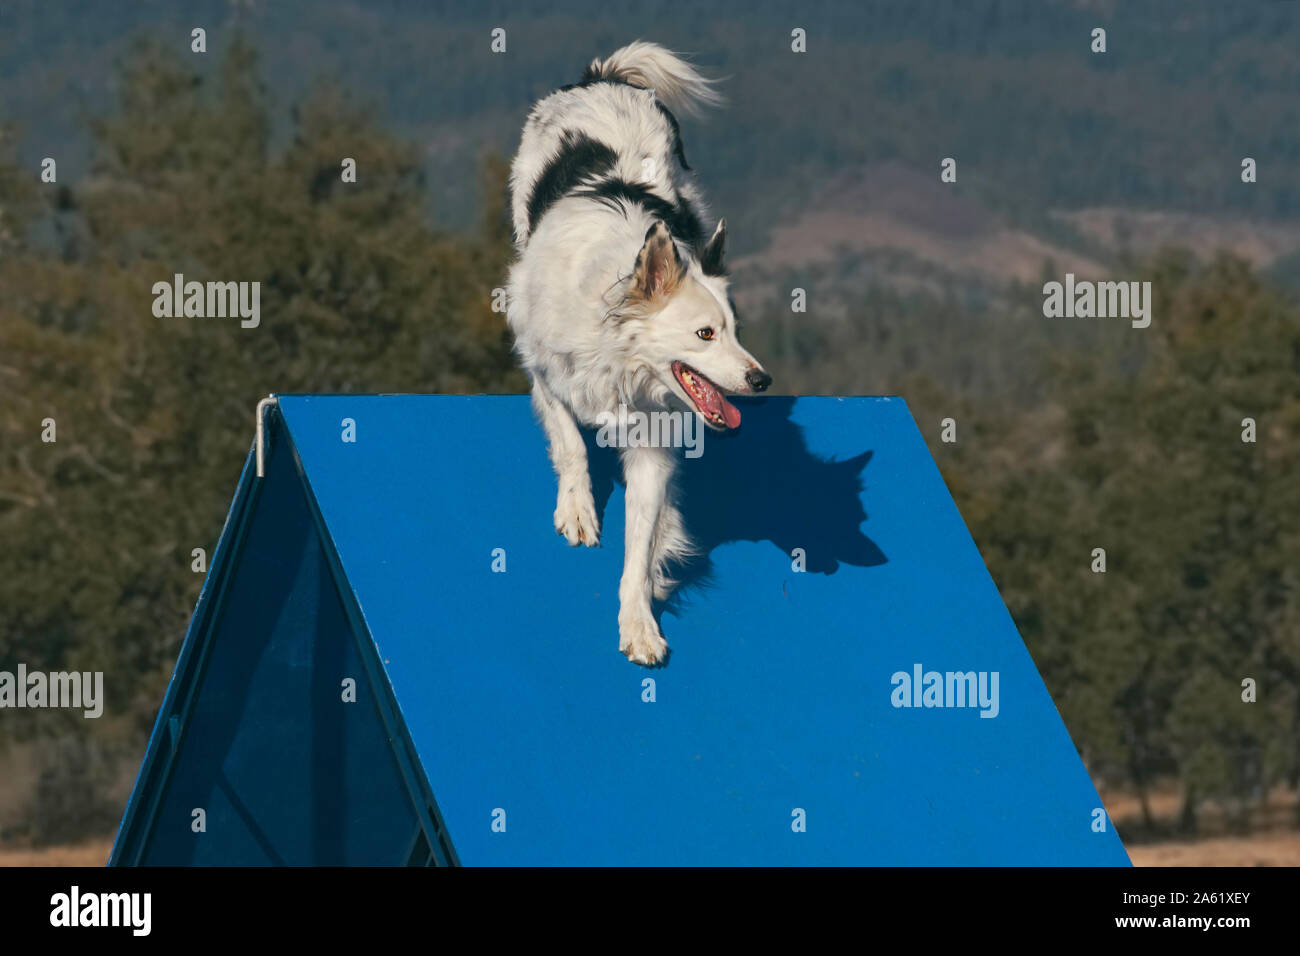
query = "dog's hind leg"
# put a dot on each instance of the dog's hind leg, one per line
(575, 508)
(671, 545)
(648, 473)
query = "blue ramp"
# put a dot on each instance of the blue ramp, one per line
(845, 687)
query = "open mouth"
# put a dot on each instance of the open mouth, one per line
(708, 398)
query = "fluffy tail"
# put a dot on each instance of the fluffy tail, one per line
(649, 65)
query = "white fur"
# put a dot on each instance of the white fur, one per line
(585, 349)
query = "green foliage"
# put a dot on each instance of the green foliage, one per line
(154, 415)
(1202, 536)
(75, 794)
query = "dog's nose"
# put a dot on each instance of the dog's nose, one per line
(758, 379)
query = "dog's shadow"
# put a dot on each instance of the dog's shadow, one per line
(760, 483)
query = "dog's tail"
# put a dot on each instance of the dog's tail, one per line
(649, 65)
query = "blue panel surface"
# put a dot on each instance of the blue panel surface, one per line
(778, 702)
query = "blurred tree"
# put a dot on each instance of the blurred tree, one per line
(1202, 539)
(153, 415)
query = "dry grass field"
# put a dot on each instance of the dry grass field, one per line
(1260, 849)
(1273, 840)
(86, 854)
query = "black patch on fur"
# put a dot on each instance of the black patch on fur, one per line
(692, 228)
(678, 150)
(590, 78)
(679, 217)
(579, 159)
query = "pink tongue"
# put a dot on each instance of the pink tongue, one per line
(730, 412)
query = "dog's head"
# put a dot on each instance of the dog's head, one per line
(686, 331)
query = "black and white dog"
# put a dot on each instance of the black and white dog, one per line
(617, 299)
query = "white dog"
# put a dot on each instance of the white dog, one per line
(617, 299)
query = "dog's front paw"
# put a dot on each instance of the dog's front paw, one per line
(575, 519)
(640, 641)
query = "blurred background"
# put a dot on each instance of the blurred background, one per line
(1072, 434)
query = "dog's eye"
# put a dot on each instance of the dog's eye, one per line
(706, 334)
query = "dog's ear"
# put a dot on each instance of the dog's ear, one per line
(711, 257)
(659, 267)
